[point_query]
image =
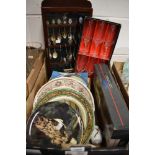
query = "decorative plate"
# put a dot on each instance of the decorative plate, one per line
(82, 77)
(54, 124)
(82, 100)
(66, 82)
(75, 104)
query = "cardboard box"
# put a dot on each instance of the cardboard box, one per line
(34, 72)
(117, 68)
(49, 7)
(41, 79)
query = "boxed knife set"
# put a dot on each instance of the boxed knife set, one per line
(111, 103)
(80, 109)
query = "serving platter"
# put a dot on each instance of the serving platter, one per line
(81, 99)
(66, 82)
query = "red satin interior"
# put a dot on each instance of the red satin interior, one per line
(97, 43)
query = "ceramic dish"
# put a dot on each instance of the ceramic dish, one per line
(67, 82)
(75, 104)
(54, 123)
(72, 102)
(82, 77)
(82, 100)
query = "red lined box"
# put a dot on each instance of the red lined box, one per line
(97, 44)
(86, 63)
(98, 38)
(86, 40)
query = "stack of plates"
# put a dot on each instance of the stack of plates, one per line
(63, 114)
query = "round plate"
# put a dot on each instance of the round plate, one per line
(82, 100)
(66, 82)
(77, 76)
(75, 104)
(54, 123)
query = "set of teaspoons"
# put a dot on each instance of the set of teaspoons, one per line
(62, 30)
(64, 54)
(63, 38)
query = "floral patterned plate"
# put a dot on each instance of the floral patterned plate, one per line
(82, 100)
(66, 82)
